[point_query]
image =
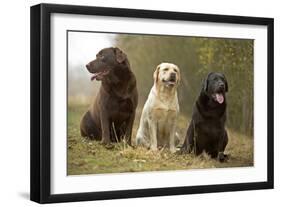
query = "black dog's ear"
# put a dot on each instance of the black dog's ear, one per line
(205, 82)
(120, 56)
(225, 82)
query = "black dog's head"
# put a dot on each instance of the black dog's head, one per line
(215, 86)
(107, 61)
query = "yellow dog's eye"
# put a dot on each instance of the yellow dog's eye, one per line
(175, 70)
(166, 69)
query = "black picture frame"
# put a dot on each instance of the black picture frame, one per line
(41, 96)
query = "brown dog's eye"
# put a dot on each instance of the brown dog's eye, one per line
(100, 56)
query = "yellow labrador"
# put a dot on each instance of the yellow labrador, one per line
(158, 119)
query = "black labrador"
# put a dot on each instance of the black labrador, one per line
(111, 116)
(206, 131)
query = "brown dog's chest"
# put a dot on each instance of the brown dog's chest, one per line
(120, 109)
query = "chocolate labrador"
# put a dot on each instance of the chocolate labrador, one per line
(112, 114)
(206, 131)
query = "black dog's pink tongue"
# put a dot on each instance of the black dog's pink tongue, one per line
(219, 98)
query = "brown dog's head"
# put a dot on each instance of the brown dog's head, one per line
(167, 74)
(107, 62)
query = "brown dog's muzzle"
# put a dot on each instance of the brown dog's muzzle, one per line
(98, 70)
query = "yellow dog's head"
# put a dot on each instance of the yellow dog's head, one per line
(167, 74)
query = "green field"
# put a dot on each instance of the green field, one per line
(86, 156)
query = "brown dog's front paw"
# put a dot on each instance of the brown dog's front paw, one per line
(105, 141)
(107, 144)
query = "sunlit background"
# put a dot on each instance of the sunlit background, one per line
(82, 48)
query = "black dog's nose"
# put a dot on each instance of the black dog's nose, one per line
(221, 85)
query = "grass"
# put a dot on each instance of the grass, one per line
(86, 156)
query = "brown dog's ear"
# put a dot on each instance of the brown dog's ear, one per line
(120, 56)
(156, 74)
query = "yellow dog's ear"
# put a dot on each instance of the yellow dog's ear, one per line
(156, 74)
(179, 76)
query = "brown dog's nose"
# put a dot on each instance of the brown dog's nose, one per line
(88, 66)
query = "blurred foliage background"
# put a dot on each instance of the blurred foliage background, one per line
(196, 57)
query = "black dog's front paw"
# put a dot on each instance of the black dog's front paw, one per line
(222, 157)
(184, 150)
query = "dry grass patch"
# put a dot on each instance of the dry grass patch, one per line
(90, 157)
